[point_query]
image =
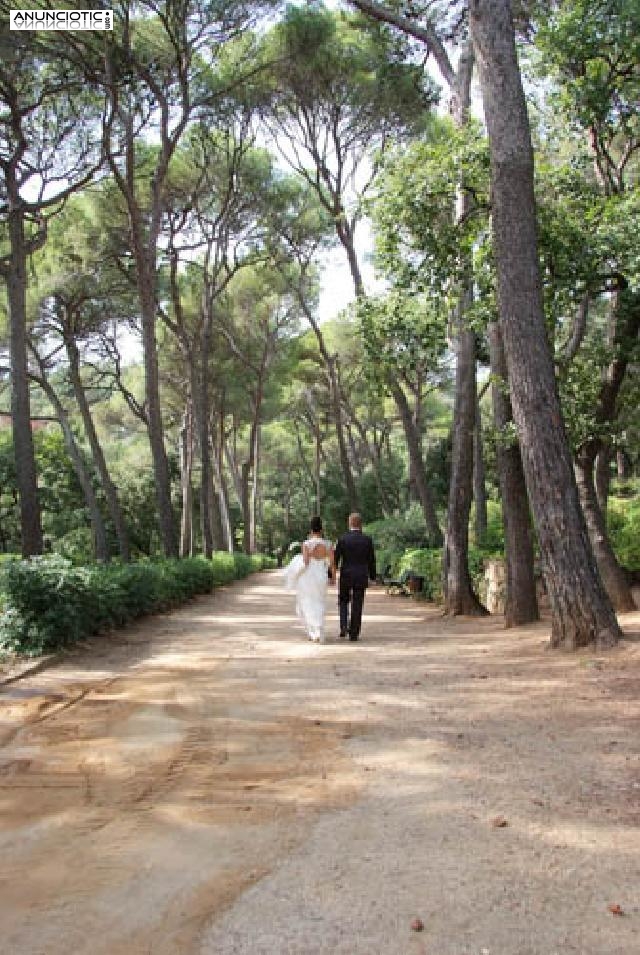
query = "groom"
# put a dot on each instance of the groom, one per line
(357, 562)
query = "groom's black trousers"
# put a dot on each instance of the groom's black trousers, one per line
(350, 593)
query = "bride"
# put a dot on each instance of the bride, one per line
(308, 574)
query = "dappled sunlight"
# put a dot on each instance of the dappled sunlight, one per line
(208, 746)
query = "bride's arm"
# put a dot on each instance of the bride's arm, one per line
(306, 556)
(332, 564)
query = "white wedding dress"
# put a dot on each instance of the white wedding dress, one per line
(310, 584)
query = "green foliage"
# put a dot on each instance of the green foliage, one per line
(624, 529)
(426, 563)
(50, 603)
(494, 538)
(593, 49)
(421, 245)
(400, 334)
(392, 536)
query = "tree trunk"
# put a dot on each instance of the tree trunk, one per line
(317, 467)
(416, 459)
(202, 430)
(345, 232)
(162, 477)
(334, 389)
(217, 462)
(417, 424)
(201, 409)
(581, 611)
(245, 504)
(603, 477)
(215, 516)
(623, 465)
(248, 475)
(23, 449)
(84, 478)
(352, 494)
(458, 590)
(613, 575)
(111, 495)
(255, 484)
(186, 469)
(521, 604)
(479, 481)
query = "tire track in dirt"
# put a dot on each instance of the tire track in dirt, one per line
(134, 807)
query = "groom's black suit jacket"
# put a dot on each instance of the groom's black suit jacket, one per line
(356, 559)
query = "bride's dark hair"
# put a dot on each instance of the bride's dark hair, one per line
(316, 525)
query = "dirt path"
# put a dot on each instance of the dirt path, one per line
(208, 782)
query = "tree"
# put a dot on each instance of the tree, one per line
(159, 79)
(47, 151)
(338, 93)
(404, 342)
(220, 184)
(591, 52)
(459, 595)
(581, 612)
(79, 295)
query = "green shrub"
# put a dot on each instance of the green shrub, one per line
(493, 541)
(623, 519)
(427, 563)
(397, 534)
(224, 567)
(50, 603)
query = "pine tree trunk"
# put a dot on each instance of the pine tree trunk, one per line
(245, 505)
(217, 463)
(458, 589)
(415, 457)
(186, 469)
(334, 391)
(345, 464)
(24, 453)
(521, 605)
(479, 481)
(255, 485)
(155, 429)
(111, 495)
(581, 611)
(613, 575)
(84, 478)
(603, 476)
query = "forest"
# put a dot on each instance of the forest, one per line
(262, 261)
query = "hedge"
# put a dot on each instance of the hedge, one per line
(49, 603)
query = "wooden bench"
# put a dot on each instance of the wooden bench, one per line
(407, 583)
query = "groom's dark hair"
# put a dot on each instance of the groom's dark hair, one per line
(316, 524)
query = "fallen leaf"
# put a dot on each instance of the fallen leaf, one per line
(615, 909)
(417, 925)
(499, 822)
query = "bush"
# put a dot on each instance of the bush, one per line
(427, 563)
(49, 603)
(493, 541)
(624, 529)
(393, 536)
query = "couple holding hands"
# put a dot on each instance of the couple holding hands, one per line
(310, 572)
